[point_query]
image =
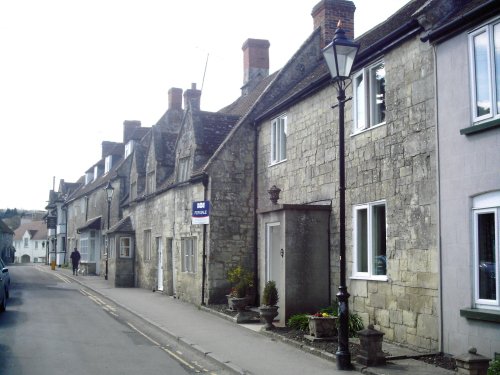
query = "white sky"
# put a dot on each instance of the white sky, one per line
(72, 71)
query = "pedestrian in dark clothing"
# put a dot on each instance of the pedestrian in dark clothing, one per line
(75, 260)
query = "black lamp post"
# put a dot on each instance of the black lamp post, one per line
(339, 56)
(109, 196)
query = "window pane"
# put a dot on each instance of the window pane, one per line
(377, 81)
(483, 99)
(273, 141)
(378, 238)
(282, 140)
(360, 102)
(362, 240)
(486, 255)
(496, 43)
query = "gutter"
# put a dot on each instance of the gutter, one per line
(475, 16)
(205, 179)
(255, 217)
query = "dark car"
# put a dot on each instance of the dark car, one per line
(6, 277)
(3, 296)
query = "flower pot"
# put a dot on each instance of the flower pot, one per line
(240, 305)
(268, 313)
(322, 327)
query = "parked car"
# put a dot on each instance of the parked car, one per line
(3, 296)
(6, 277)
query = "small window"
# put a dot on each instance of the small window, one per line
(485, 71)
(26, 242)
(125, 247)
(133, 190)
(129, 147)
(369, 97)
(150, 186)
(147, 245)
(183, 169)
(188, 250)
(108, 163)
(370, 258)
(278, 139)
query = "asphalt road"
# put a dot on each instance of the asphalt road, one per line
(55, 326)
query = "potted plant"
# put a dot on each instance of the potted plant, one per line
(241, 281)
(268, 308)
(322, 326)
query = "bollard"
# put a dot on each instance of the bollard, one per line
(53, 265)
(371, 353)
(472, 363)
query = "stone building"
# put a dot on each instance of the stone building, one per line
(466, 45)
(7, 251)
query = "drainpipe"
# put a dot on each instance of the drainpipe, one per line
(440, 255)
(204, 268)
(255, 218)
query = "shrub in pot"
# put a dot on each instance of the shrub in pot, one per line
(268, 308)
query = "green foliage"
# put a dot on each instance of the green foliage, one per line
(270, 294)
(494, 368)
(355, 322)
(299, 321)
(241, 280)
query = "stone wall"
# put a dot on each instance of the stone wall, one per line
(395, 162)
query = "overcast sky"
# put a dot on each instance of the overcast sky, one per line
(72, 71)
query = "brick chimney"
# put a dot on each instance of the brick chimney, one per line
(175, 98)
(108, 148)
(192, 97)
(129, 127)
(327, 13)
(255, 63)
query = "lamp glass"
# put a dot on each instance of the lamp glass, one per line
(339, 56)
(109, 191)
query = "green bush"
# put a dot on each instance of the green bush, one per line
(494, 368)
(270, 295)
(299, 321)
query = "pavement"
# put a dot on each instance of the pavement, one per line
(242, 348)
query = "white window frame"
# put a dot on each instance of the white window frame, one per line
(108, 163)
(486, 204)
(129, 147)
(150, 182)
(366, 99)
(492, 74)
(278, 139)
(188, 254)
(125, 250)
(369, 274)
(147, 245)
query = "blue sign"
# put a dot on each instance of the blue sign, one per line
(201, 212)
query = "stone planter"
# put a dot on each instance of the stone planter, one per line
(268, 313)
(240, 305)
(322, 328)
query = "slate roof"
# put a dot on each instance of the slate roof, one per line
(36, 229)
(4, 228)
(123, 226)
(94, 223)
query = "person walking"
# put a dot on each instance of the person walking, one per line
(75, 260)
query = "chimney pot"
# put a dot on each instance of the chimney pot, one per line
(192, 97)
(175, 98)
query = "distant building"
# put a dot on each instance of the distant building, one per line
(30, 242)
(6, 248)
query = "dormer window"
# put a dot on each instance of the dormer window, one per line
(96, 172)
(89, 177)
(129, 147)
(108, 163)
(183, 170)
(150, 185)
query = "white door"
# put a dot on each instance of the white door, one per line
(160, 263)
(275, 261)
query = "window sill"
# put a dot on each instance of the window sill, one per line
(478, 128)
(358, 132)
(277, 162)
(481, 314)
(370, 278)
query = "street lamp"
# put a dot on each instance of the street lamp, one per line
(339, 56)
(109, 196)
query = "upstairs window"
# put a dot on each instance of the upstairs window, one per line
(89, 177)
(133, 190)
(108, 163)
(129, 147)
(484, 45)
(369, 97)
(188, 250)
(370, 258)
(150, 185)
(278, 139)
(183, 169)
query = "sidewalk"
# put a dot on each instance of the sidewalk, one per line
(242, 348)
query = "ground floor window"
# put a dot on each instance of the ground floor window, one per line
(125, 247)
(188, 250)
(370, 258)
(486, 210)
(88, 246)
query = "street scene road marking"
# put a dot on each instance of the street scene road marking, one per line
(61, 277)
